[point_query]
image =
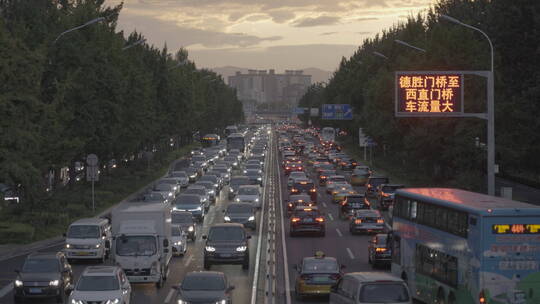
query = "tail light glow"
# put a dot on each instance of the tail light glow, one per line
(320, 219)
(295, 219)
(358, 221)
(380, 221)
(380, 249)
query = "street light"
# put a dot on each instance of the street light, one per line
(380, 55)
(490, 110)
(79, 27)
(181, 63)
(134, 44)
(409, 45)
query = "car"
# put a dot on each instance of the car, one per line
(323, 176)
(199, 161)
(293, 167)
(88, 238)
(298, 200)
(226, 243)
(178, 240)
(316, 275)
(370, 287)
(255, 176)
(167, 190)
(379, 251)
(184, 219)
(242, 213)
(305, 186)
(347, 163)
(223, 173)
(235, 183)
(175, 183)
(360, 175)
(193, 173)
(386, 195)
(155, 197)
(373, 182)
(211, 188)
(249, 194)
(339, 191)
(101, 284)
(366, 221)
(253, 166)
(295, 175)
(43, 275)
(181, 176)
(204, 287)
(331, 180)
(307, 220)
(192, 203)
(202, 192)
(352, 202)
(215, 179)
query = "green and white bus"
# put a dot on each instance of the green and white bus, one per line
(461, 247)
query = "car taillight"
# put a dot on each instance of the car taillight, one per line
(323, 177)
(287, 168)
(294, 190)
(481, 297)
(380, 249)
(343, 203)
(380, 221)
(358, 221)
(290, 205)
(312, 190)
(295, 219)
(320, 219)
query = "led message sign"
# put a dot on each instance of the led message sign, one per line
(429, 93)
(516, 229)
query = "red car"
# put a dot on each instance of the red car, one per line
(293, 167)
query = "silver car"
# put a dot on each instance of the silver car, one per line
(249, 194)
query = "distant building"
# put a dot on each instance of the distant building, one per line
(262, 86)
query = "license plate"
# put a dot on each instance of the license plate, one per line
(226, 255)
(81, 253)
(320, 279)
(308, 220)
(35, 290)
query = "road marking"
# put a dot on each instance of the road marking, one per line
(284, 246)
(169, 296)
(324, 204)
(351, 255)
(7, 289)
(339, 232)
(330, 216)
(388, 226)
(189, 259)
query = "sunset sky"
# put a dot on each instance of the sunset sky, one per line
(263, 34)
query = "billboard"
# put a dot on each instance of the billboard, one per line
(433, 93)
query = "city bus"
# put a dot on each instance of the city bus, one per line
(459, 247)
(236, 141)
(210, 140)
(328, 135)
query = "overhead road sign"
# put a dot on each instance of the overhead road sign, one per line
(299, 111)
(337, 112)
(314, 112)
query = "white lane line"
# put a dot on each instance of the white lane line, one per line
(169, 296)
(330, 216)
(388, 226)
(339, 232)
(188, 261)
(259, 240)
(324, 204)
(7, 289)
(284, 245)
(350, 253)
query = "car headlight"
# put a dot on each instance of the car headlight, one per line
(198, 208)
(193, 176)
(191, 228)
(73, 301)
(245, 171)
(216, 185)
(212, 192)
(256, 200)
(237, 200)
(170, 193)
(68, 246)
(227, 218)
(175, 188)
(18, 283)
(259, 178)
(231, 190)
(54, 283)
(251, 218)
(178, 243)
(113, 301)
(210, 248)
(241, 248)
(98, 245)
(154, 268)
(182, 302)
(235, 164)
(222, 302)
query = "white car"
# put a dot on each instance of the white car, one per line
(101, 284)
(295, 175)
(179, 240)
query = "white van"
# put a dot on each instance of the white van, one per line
(370, 287)
(88, 238)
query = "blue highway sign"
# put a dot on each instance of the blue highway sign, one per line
(337, 111)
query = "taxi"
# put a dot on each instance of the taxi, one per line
(316, 275)
(340, 191)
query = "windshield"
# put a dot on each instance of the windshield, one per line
(153, 197)
(240, 181)
(136, 245)
(176, 231)
(248, 191)
(195, 191)
(179, 174)
(97, 283)
(162, 187)
(320, 266)
(179, 218)
(240, 209)
(41, 265)
(200, 282)
(226, 234)
(377, 181)
(188, 200)
(83, 232)
(384, 293)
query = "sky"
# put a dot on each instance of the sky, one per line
(264, 34)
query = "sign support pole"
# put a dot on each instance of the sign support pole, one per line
(491, 134)
(93, 201)
(365, 152)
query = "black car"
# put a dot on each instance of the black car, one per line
(193, 174)
(386, 195)
(242, 213)
(190, 203)
(255, 176)
(351, 203)
(43, 275)
(379, 253)
(204, 287)
(373, 182)
(184, 219)
(307, 220)
(226, 244)
(302, 200)
(235, 183)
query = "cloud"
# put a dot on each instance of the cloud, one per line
(159, 32)
(279, 16)
(317, 21)
(328, 33)
(363, 33)
(367, 19)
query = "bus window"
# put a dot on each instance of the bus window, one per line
(413, 210)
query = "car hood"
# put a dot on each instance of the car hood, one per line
(239, 215)
(202, 296)
(226, 244)
(38, 276)
(95, 295)
(77, 241)
(244, 197)
(187, 206)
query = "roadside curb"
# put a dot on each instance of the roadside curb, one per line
(9, 251)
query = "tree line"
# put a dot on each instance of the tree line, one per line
(448, 150)
(94, 90)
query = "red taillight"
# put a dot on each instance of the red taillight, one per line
(320, 219)
(300, 168)
(343, 203)
(290, 205)
(295, 219)
(380, 221)
(294, 190)
(481, 297)
(358, 221)
(380, 249)
(323, 177)
(312, 190)
(287, 168)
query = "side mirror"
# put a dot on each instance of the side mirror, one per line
(165, 243)
(69, 289)
(204, 237)
(64, 234)
(108, 244)
(248, 237)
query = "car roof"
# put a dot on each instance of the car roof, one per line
(100, 270)
(44, 255)
(89, 221)
(249, 186)
(371, 276)
(204, 274)
(220, 225)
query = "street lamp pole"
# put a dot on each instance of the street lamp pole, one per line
(490, 110)
(409, 45)
(79, 27)
(380, 55)
(134, 44)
